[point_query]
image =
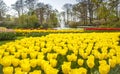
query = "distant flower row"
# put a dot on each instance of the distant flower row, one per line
(67, 30)
(51, 31)
(104, 29)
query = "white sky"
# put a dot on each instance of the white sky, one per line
(9, 2)
(56, 4)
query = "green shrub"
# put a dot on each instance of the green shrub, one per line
(7, 35)
(36, 34)
(8, 24)
(73, 24)
(28, 21)
(32, 34)
(111, 24)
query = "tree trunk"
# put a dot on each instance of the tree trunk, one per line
(67, 16)
(0, 16)
(41, 16)
(90, 7)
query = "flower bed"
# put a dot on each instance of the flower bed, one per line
(38, 33)
(103, 29)
(7, 34)
(50, 31)
(81, 53)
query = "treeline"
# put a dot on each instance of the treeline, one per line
(100, 13)
(34, 14)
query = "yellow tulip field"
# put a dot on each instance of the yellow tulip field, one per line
(67, 53)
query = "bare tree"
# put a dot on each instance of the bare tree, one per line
(40, 11)
(114, 6)
(82, 9)
(67, 7)
(3, 9)
(48, 10)
(31, 5)
(19, 7)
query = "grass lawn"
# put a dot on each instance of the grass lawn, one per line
(5, 41)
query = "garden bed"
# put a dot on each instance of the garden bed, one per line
(102, 29)
(68, 53)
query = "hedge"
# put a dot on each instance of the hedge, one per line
(7, 36)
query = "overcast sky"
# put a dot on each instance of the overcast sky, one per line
(56, 4)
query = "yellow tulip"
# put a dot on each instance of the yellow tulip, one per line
(96, 53)
(8, 70)
(12, 50)
(90, 61)
(44, 50)
(44, 64)
(39, 62)
(33, 63)
(51, 56)
(17, 54)
(103, 56)
(42, 45)
(2, 51)
(66, 67)
(19, 72)
(36, 72)
(102, 62)
(55, 55)
(78, 71)
(25, 67)
(18, 69)
(71, 57)
(40, 56)
(37, 48)
(6, 53)
(25, 61)
(75, 71)
(6, 61)
(15, 62)
(104, 69)
(84, 55)
(33, 55)
(118, 60)
(80, 62)
(75, 51)
(0, 58)
(62, 52)
(51, 71)
(24, 55)
(83, 70)
(53, 62)
(112, 62)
